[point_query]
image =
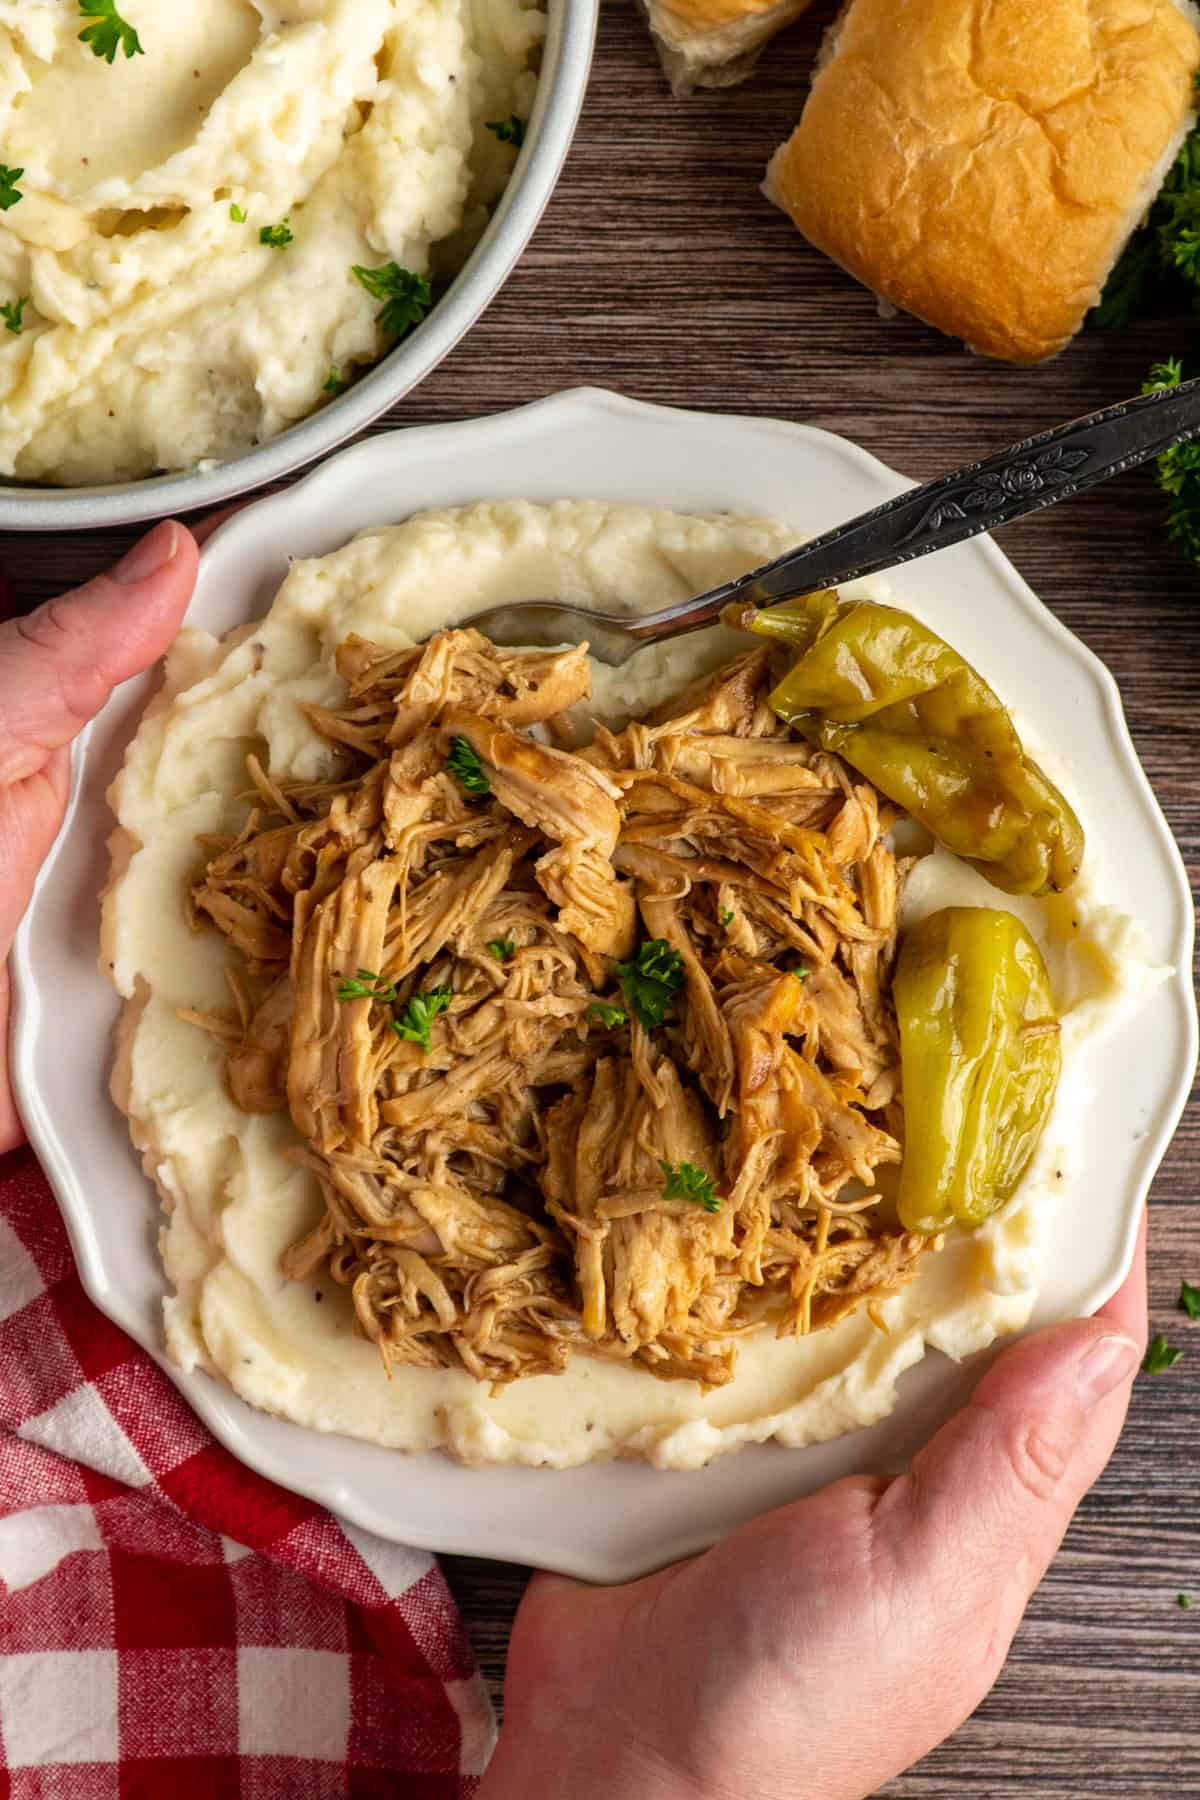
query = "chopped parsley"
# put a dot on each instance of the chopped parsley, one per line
(10, 193)
(110, 33)
(608, 1016)
(1160, 1356)
(237, 213)
(467, 768)
(725, 916)
(334, 384)
(365, 985)
(684, 1181)
(801, 972)
(276, 237)
(406, 297)
(501, 948)
(414, 1022)
(11, 313)
(651, 980)
(1189, 1300)
(1184, 1601)
(509, 131)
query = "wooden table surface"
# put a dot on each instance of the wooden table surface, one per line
(659, 269)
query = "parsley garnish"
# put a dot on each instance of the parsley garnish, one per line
(509, 131)
(649, 981)
(11, 312)
(1184, 1600)
(406, 297)
(1160, 1356)
(237, 213)
(276, 237)
(110, 33)
(9, 191)
(1189, 1300)
(725, 916)
(501, 948)
(608, 1016)
(467, 768)
(1159, 264)
(686, 1182)
(334, 383)
(366, 985)
(1178, 471)
(414, 1022)
(801, 972)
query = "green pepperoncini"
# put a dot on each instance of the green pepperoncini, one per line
(881, 690)
(980, 1057)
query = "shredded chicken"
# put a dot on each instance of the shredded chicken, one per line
(429, 981)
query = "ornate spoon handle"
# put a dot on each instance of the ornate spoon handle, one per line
(1036, 472)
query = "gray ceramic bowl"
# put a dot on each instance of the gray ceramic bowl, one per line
(566, 60)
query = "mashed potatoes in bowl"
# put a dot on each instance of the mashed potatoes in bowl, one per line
(181, 226)
(238, 1195)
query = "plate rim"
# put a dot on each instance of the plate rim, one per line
(208, 1397)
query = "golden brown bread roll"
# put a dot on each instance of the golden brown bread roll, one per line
(981, 163)
(715, 43)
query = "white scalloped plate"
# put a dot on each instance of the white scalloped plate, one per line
(611, 1520)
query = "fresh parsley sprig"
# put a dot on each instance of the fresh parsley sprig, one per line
(1189, 1299)
(1178, 471)
(418, 1015)
(608, 1016)
(467, 767)
(277, 237)
(651, 981)
(509, 131)
(11, 313)
(684, 1181)
(414, 1022)
(1161, 262)
(1160, 1356)
(10, 193)
(406, 297)
(365, 984)
(110, 32)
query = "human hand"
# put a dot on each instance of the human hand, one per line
(824, 1647)
(58, 666)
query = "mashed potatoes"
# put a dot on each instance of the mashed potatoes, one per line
(158, 329)
(235, 1202)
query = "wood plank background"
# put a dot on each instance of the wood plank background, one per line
(660, 270)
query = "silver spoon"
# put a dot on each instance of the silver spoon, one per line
(1037, 472)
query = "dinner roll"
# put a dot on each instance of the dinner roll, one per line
(715, 43)
(981, 163)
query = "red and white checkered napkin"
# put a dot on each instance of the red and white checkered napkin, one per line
(173, 1626)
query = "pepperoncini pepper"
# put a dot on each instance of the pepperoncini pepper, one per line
(908, 712)
(980, 1058)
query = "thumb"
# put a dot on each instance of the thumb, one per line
(59, 665)
(57, 669)
(974, 1524)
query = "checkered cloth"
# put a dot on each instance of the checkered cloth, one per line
(172, 1625)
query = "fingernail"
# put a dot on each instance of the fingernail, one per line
(1106, 1365)
(149, 555)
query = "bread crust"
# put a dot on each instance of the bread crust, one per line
(715, 43)
(981, 163)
